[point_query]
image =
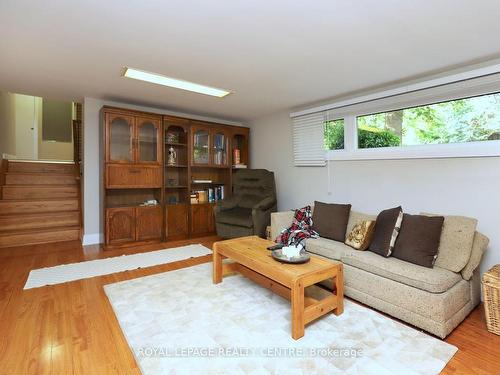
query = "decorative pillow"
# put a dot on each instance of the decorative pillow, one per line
(330, 220)
(418, 239)
(361, 235)
(355, 217)
(386, 231)
(455, 246)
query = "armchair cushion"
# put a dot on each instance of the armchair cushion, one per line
(238, 216)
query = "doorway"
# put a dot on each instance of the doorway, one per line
(38, 128)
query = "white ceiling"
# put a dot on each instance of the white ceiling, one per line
(274, 55)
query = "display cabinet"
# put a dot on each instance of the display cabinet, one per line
(164, 174)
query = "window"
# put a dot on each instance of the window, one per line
(457, 121)
(334, 134)
(442, 118)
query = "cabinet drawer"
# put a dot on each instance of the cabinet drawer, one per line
(131, 176)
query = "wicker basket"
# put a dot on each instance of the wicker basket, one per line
(491, 292)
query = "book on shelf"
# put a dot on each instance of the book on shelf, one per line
(240, 166)
(210, 195)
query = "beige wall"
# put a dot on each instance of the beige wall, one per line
(92, 182)
(467, 186)
(7, 124)
(55, 150)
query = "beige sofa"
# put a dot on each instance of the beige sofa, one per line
(434, 299)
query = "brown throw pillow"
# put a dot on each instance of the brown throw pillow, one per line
(386, 231)
(418, 240)
(330, 220)
(361, 235)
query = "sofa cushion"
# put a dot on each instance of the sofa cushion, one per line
(355, 217)
(239, 216)
(386, 231)
(330, 220)
(456, 242)
(361, 235)
(434, 280)
(418, 239)
(328, 248)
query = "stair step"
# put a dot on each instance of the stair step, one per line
(22, 178)
(39, 192)
(23, 222)
(40, 236)
(28, 206)
(40, 167)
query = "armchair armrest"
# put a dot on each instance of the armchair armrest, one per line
(265, 204)
(227, 204)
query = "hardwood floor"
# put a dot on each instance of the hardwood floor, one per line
(71, 328)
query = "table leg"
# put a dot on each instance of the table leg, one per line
(339, 288)
(297, 301)
(217, 266)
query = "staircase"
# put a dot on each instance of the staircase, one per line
(39, 203)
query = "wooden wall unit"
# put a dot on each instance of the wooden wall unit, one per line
(165, 158)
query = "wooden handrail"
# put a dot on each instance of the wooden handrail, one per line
(77, 141)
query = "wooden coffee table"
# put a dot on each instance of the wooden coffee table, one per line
(251, 259)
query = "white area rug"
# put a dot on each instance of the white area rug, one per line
(99, 267)
(178, 322)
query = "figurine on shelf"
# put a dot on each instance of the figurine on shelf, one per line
(172, 156)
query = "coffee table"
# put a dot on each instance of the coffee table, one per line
(250, 258)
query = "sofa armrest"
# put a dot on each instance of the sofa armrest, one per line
(280, 221)
(478, 248)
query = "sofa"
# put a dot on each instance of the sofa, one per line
(435, 299)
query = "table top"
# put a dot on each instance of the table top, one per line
(252, 252)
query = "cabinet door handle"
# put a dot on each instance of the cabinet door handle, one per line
(134, 171)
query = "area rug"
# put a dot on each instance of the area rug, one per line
(178, 322)
(83, 270)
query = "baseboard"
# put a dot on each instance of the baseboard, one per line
(92, 239)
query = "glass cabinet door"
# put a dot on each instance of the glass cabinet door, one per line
(200, 146)
(148, 134)
(220, 148)
(120, 138)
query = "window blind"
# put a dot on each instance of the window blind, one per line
(308, 140)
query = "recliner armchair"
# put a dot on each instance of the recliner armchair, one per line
(248, 210)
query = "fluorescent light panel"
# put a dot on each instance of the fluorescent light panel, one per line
(175, 83)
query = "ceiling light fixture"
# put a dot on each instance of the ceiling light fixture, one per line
(175, 83)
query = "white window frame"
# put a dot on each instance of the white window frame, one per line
(482, 80)
(448, 150)
(351, 150)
